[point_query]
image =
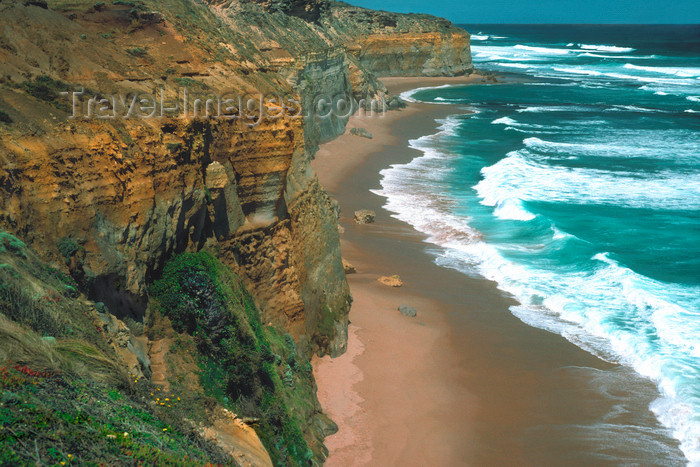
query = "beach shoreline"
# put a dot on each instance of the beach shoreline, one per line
(464, 382)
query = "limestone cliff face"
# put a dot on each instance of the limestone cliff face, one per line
(389, 44)
(111, 199)
(131, 192)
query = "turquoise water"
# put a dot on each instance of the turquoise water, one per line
(576, 188)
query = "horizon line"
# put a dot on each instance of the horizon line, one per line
(578, 24)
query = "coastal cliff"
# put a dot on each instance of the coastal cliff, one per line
(112, 201)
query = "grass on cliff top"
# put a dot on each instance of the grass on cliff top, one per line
(49, 419)
(41, 297)
(64, 395)
(249, 368)
(66, 402)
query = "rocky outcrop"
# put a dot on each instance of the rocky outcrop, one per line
(391, 281)
(390, 44)
(348, 267)
(364, 216)
(128, 193)
(236, 438)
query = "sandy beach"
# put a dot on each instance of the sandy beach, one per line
(464, 382)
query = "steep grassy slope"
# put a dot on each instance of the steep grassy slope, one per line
(66, 394)
(66, 378)
(254, 370)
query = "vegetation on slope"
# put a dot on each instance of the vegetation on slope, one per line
(252, 369)
(65, 397)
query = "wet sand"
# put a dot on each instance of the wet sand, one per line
(464, 382)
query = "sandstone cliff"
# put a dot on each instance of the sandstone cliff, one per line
(111, 200)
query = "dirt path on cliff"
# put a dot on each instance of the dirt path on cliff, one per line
(157, 350)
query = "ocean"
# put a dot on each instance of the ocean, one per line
(575, 186)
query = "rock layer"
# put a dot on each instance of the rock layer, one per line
(111, 199)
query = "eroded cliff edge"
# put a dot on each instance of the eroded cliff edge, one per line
(111, 200)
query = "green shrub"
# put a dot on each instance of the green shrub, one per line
(77, 421)
(185, 81)
(4, 117)
(47, 89)
(67, 247)
(188, 82)
(173, 147)
(206, 300)
(136, 51)
(11, 244)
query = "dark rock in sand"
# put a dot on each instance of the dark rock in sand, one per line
(408, 311)
(395, 102)
(363, 132)
(348, 268)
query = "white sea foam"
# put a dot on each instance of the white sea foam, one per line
(408, 95)
(563, 302)
(519, 176)
(673, 146)
(648, 79)
(515, 65)
(633, 108)
(578, 71)
(504, 121)
(554, 108)
(607, 48)
(608, 310)
(542, 50)
(498, 53)
(512, 209)
(608, 149)
(479, 37)
(682, 72)
(618, 57)
(529, 127)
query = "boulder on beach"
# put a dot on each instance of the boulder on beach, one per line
(391, 281)
(395, 102)
(348, 268)
(408, 311)
(364, 216)
(363, 132)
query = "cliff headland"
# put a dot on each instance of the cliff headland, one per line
(153, 244)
